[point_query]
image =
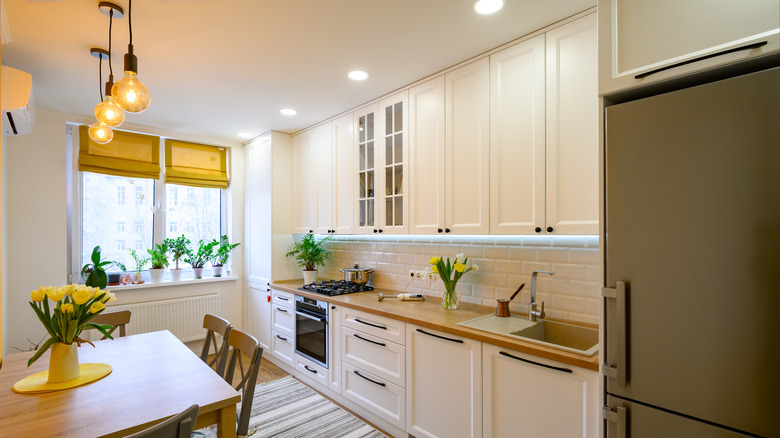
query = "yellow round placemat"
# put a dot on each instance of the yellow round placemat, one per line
(37, 383)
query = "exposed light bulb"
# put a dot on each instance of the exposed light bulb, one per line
(109, 113)
(131, 94)
(100, 133)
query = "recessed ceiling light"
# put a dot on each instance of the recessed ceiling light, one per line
(288, 111)
(488, 6)
(244, 134)
(358, 75)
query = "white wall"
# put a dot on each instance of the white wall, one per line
(35, 221)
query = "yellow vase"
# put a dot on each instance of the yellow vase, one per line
(63, 363)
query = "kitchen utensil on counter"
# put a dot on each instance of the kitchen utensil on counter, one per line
(502, 308)
(402, 297)
(356, 275)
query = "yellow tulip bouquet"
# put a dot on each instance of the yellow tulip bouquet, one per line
(450, 273)
(74, 306)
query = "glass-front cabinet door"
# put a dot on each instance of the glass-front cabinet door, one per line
(365, 141)
(393, 211)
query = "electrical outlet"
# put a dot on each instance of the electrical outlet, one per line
(430, 276)
(418, 275)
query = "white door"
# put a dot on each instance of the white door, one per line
(322, 149)
(303, 183)
(572, 129)
(257, 192)
(517, 138)
(366, 149)
(426, 158)
(468, 149)
(343, 175)
(259, 315)
(393, 184)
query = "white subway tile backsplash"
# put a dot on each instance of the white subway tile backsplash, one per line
(504, 263)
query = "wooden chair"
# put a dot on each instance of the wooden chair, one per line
(178, 426)
(118, 319)
(240, 345)
(215, 325)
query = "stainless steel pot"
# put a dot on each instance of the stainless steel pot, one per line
(357, 274)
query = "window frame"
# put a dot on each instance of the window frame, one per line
(74, 205)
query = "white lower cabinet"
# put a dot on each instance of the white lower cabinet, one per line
(527, 396)
(308, 369)
(379, 396)
(283, 347)
(283, 326)
(443, 384)
(382, 358)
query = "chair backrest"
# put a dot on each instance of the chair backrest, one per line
(118, 319)
(178, 426)
(214, 326)
(243, 346)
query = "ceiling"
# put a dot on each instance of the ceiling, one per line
(219, 67)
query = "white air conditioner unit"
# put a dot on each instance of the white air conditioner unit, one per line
(17, 103)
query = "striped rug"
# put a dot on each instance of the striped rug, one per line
(286, 408)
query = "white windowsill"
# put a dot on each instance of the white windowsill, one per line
(167, 282)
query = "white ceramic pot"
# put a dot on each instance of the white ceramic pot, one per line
(176, 274)
(197, 272)
(156, 275)
(217, 270)
(309, 277)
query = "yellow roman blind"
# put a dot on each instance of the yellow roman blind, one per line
(128, 154)
(197, 165)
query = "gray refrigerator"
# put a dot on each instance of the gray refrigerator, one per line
(692, 261)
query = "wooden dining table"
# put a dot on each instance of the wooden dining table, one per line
(154, 376)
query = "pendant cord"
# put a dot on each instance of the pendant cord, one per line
(110, 25)
(130, 20)
(100, 76)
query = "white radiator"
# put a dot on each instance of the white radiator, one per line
(181, 316)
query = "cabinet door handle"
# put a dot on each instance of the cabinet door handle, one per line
(309, 369)
(446, 230)
(370, 380)
(549, 229)
(564, 370)
(617, 331)
(372, 325)
(281, 337)
(282, 298)
(538, 229)
(380, 230)
(281, 310)
(440, 230)
(375, 230)
(368, 340)
(618, 416)
(440, 337)
(701, 58)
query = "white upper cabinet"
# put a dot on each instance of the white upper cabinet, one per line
(467, 164)
(637, 38)
(393, 158)
(572, 154)
(343, 176)
(365, 147)
(304, 175)
(517, 138)
(426, 157)
(322, 149)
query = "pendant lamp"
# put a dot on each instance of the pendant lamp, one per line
(100, 133)
(129, 92)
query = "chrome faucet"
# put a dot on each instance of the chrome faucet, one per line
(532, 312)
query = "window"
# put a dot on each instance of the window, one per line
(102, 215)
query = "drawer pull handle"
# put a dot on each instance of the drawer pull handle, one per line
(370, 380)
(440, 337)
(701, 58)
(283, 298)
(281, 337)
(309, 369)
(372, 325)
(563, 370)
(281, 310)
(368, 340)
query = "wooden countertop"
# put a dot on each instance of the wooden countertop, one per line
(430, 314)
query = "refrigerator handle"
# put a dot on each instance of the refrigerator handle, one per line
(617, 328)
(618, 416)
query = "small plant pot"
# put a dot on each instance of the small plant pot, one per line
(217, 270)
(113, 278)
(138, 278)
(156, 275)
(309, 277)
(176, 274)
(197, 272)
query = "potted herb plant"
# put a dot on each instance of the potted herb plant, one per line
(94, 273)
(140, 261)
(222, 254)
(309, 253)
(178, 247)
(199, 257)
(159, 258)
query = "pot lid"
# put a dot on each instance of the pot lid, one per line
(357, 268)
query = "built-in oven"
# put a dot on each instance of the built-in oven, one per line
(311, 329)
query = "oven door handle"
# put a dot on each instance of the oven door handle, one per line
(315, 318)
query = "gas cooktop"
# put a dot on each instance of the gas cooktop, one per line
(332, 287)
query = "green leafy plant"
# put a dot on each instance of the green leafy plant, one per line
(139, 260)
(178, 247)
(202, 255)
(223, 251)
(74, 307)
(94, 273)
(309, 252)
(159, 255)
